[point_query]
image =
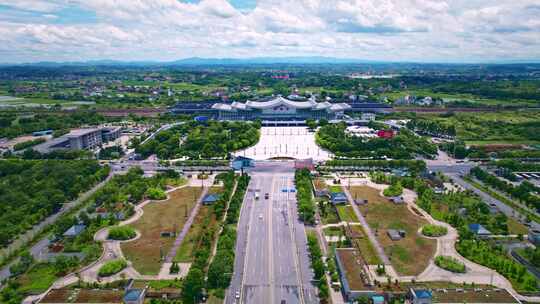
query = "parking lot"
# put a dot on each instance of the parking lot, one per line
(294, 142)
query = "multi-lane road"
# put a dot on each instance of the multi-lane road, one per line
(272, 263)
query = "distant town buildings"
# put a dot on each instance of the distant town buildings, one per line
(420, 101)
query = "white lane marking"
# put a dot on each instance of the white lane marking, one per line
(295, 252)
(246, 257)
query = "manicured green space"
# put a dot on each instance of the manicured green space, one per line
(532, 255)
(28, 144)
(214, 139)
(159, 217)
(156, 194)
(393, 190)
(362, 242)
(434, 230)
(405, 145)
(121, 233)
(450, 264)
(112, 267)
(410, 255)
(493, 257)
(346, 213)
(37, 279)
(335, 188)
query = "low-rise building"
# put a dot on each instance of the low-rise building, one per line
(80, 139)
(419, 296)
(210, 199)
(353, 274)
(134, 296)
(338, 198)
(84, 139)
(110, 133)
(479, 230)
(395, 235)
(74, 231)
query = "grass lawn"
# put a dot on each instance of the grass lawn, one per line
(335, 188)
(362, 242)
(212, 299)
(346, 213)
(410, 255)
(319, 184)
(37, 280)
(352, 269)
(330, 216)
(67, 295)
(158, 217)
(333, 231)
(515, 227)
(185, 252)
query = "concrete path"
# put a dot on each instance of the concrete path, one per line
(178, 241)
(367, 229)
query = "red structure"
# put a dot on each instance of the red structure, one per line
(386, 134)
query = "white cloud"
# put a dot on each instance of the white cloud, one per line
(369, 29)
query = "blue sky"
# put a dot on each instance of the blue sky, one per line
(163, 30)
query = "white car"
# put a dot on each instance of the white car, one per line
(260, 216)
(237, 295)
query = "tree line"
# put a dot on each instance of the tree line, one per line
(32, 190)
(304, 195)
(405, 145)
(525, 192)
(220, 270)
(214, 139)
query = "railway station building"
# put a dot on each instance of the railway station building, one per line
(279, 108)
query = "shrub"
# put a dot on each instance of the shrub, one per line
(449, 263)
(121, 233)
(394, 190)
(434, 230)
(112, 267)
(156, 194)
(28, 144)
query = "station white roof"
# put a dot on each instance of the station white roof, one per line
(279, 101)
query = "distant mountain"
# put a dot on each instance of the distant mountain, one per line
(201, 61)
(267, 60)
(197, 61)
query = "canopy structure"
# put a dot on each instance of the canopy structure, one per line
(279, 108)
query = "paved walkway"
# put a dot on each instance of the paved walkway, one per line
(367, 229)
(185, 228)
